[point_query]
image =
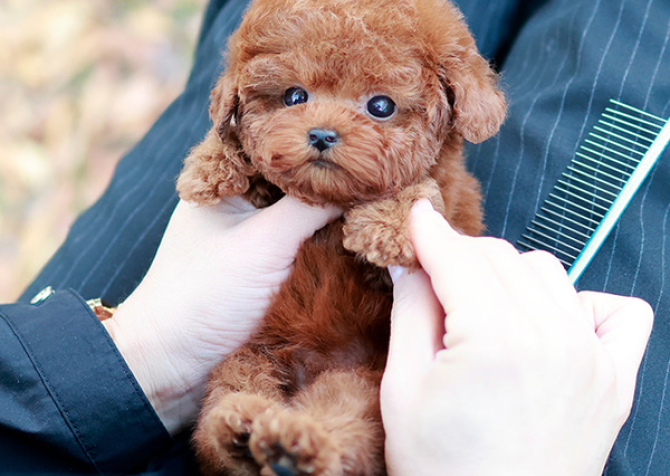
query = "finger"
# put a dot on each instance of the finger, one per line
(417, 326)
(235, 205)
(212, 219)
(289, 222)
(551, 283)
(623, 325)
(548, 268)
(461, 273)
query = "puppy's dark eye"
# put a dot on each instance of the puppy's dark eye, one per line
(381, 107)
(295, 96)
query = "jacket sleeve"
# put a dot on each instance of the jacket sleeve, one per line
(67, 399)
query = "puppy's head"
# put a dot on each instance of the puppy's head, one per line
(351, 100)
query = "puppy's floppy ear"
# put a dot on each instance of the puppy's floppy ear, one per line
(478, 106)
(224, 103)
(472, 88)
(217, 167)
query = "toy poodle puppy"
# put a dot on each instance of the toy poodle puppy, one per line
(359, 103)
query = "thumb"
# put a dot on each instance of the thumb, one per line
(289, 222)
(417, 326)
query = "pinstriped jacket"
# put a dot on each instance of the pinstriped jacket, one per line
(68, 403)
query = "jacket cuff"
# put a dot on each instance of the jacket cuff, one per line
(86, 377)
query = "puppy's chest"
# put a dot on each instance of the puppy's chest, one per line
(332, 306)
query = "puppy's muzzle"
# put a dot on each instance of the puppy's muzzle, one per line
(322, 139)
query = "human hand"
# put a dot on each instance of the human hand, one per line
(209, 285)
(531, 377)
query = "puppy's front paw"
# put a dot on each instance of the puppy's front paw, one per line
(289, 443)
(378, 231)
(382, 238)
(213, 170)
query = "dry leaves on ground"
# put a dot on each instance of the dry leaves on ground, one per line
(80, 82)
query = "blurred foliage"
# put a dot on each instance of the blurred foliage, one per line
(80, 82)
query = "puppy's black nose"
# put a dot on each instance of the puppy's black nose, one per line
(322, 139)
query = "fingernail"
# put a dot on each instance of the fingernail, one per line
(423, 206)
(424, 211)
(395, 272)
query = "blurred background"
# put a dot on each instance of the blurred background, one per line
(80, 82)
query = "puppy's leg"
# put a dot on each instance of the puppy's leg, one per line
(241, 389)
(333, 429)
(378, 232)
(461, 195)
(214, 169)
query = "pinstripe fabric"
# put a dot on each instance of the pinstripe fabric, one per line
(561, 62)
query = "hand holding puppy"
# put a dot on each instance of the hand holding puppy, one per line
(530, 377)
(210, 283)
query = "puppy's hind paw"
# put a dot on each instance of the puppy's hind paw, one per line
(222, 437)
(287, 443)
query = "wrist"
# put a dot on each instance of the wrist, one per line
(174, 398)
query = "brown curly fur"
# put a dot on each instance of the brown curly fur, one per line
(302, 397)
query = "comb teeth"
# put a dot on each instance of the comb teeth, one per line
(601, 180)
